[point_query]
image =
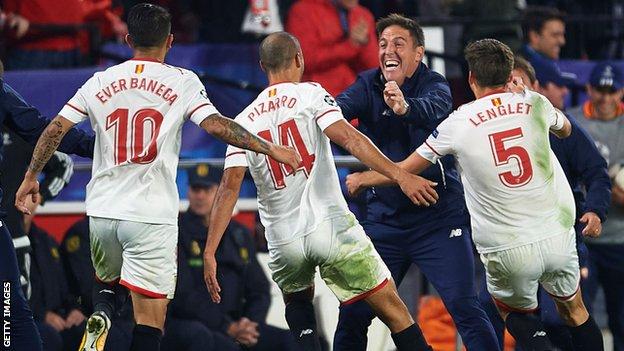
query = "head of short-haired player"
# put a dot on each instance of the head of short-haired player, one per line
(489, 63)
(544, 30)
(281, 57)
(149, 27)
(401, 47)
(523, 69)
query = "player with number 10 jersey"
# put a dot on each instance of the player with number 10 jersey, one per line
(137, 109)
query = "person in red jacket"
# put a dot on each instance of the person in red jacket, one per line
(40, 47)
(337, 38)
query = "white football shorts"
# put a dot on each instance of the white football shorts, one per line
(347, 261)
(142, 256)
(513, 275)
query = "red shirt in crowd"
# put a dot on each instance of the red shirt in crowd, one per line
(330, 57)
(59, 12)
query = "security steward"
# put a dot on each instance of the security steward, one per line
(239, 320)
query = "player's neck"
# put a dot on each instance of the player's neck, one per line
(283, 77)
(150, 54)
(480, 92)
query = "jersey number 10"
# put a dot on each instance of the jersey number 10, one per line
(118, 121)
(289, 135)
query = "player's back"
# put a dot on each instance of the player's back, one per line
(292, 204)
(137, 109)
(516, 190)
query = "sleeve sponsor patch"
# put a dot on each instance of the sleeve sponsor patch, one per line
(330, 100)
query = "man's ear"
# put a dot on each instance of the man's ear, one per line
(298, 60)
(262, 66)
(420, 53)
(129, 41)
(169, 41)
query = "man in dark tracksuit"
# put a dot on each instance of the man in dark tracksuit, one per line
(240, 318)
(23, 119)
(398, 105)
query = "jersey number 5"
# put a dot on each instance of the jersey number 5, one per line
(118, 121)
(289, 135)
(502, 156)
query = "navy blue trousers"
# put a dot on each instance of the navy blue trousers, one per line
(448, 264)
(18, 326)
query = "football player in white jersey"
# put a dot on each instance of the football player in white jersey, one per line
(307, 221)
(520, 203)
(137, 109)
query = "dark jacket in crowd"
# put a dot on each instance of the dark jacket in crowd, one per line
(244, 286)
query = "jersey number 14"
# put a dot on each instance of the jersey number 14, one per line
(136, 128)
(289, 135)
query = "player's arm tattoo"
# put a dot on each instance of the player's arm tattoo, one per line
(47, 144)
(234, 134)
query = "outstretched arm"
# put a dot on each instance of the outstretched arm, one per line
(356, 182)
(418, 189)
(233, 133)
(225, 199)
(46, 146)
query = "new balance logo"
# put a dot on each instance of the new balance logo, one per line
(539, 333)
(455, 232)
(305, 332)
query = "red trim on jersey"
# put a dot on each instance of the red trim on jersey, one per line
(324, 113)
(75, 108)
(148, 59)
(111, 283)
(503, 306)
(578, 286)
(234, 153)
(366, 294)
(432, 149)
(198, 107)
(495, 91)
(142, 291)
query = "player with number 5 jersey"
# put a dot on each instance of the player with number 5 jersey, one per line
(137, 110)
(521, 205)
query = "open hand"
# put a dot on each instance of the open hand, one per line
(286, 155)
(210, 277)
(420, 190)
(29, 187)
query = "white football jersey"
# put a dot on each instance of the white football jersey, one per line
(137, 109)
(516, 191)
(292, 203)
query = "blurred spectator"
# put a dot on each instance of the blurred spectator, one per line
(106, 14)
(43, 46)
(55, 310)
(337, 38)
(603, 117)
(240, 317)
(553, 83)
(503, 14)
(544, 33)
